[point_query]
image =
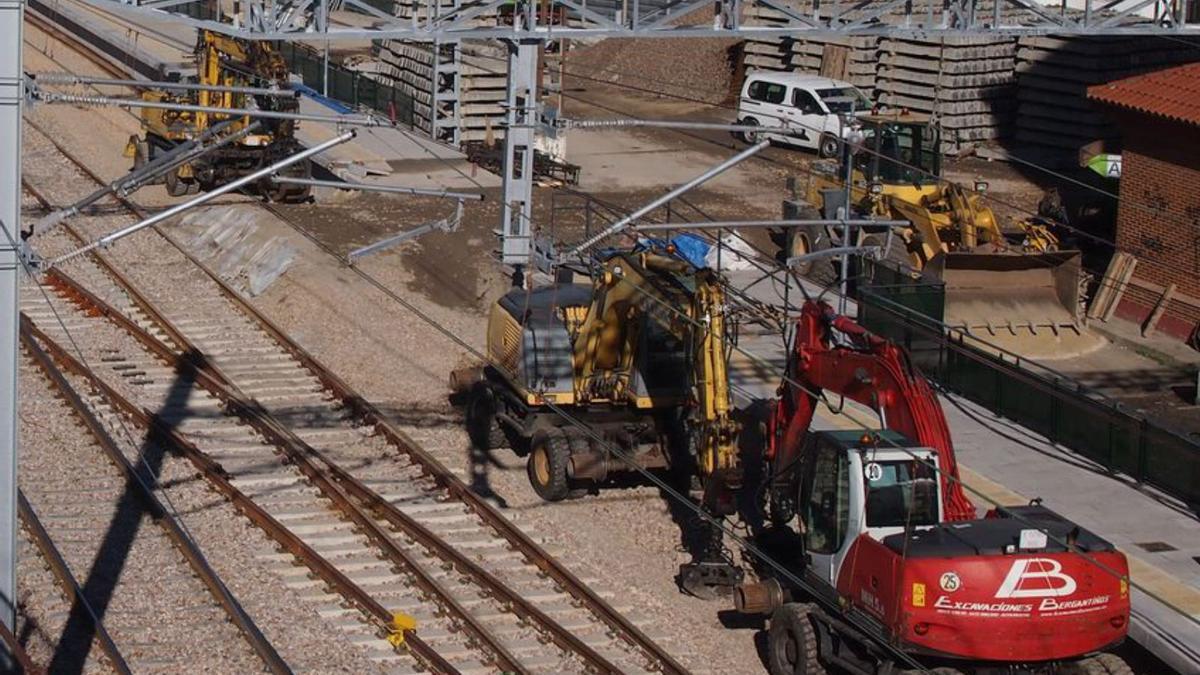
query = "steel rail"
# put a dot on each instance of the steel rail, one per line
(190, 358)
(216, 476)
(443, 476)
(310, 461)
(186, 546)
(18, 653)
(68, 582)
(50, 97)
(73, 79)
(296, 450)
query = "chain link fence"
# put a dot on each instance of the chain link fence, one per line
(349, 87)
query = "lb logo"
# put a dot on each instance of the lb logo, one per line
(1036, 578)
(950, 582)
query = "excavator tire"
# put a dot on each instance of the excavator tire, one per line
(549, 453)
(482, 425)
(578, 443)
(141, 152)
(895, 254)
(802, 240)
(792, 642)
(176, 186)
(1100, 664)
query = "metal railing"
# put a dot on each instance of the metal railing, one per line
(1068, 413)
(352, 88)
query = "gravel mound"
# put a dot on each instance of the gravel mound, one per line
(653, 67)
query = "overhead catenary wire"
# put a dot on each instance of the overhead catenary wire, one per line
(762, 363)
(147, 478)
(986, 196)
(682, 499)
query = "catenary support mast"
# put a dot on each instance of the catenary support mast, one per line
(11, 98)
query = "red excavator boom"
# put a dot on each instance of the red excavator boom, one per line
(832, 352)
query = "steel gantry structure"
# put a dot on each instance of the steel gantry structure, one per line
(312, 20)
(526, 25)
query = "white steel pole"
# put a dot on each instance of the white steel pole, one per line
(698, 180)
(202, 199)
(11, 100)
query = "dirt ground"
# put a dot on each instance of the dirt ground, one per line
(629, 540)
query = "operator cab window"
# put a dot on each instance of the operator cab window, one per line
(906, 154)
(767, 92)
(900, 494)
(827, 502)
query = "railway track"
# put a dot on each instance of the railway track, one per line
(134, 577)
(367, 510)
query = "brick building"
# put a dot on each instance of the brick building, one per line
(1158, 215)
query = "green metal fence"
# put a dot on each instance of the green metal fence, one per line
(909, 311)
(347, 86)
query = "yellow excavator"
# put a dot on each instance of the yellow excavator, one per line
(223, 61)
(1006, 286)
(638, 357)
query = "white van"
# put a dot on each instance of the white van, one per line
(808, 104)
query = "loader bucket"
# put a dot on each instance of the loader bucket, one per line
(1025, 303)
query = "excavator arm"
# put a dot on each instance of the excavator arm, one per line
(687, 303)
(869, 370)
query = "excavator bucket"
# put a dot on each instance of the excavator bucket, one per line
(1025, 303)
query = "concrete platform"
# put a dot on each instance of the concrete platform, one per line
(1004, 463)
(147, 48)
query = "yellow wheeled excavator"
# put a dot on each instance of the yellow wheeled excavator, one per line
(223, 61)
(594, 381)
(1008, 287)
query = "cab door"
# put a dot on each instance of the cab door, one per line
(826, 509)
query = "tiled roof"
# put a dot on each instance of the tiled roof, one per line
(1173, 93)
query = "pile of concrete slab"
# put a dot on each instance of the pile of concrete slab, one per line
(850, 58)
(1028, 92)
(1054, 73)
(458, 88)
(966, 82)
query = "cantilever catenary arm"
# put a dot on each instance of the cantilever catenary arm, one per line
(202, 199)
(654, 204)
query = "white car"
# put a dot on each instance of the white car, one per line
(809, 105)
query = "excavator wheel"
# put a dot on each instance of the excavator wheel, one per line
(176, 186)
(578, 443)
(292, 194)
(1100, 664)
(896, 254)
(802, 240)
(792, 642)
(141, 152)
(482, 425)
(549, 453)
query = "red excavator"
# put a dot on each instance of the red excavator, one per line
(886, 549)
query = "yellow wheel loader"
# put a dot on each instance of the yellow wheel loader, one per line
(223, 61)
(1015, 289)
(638, 357)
